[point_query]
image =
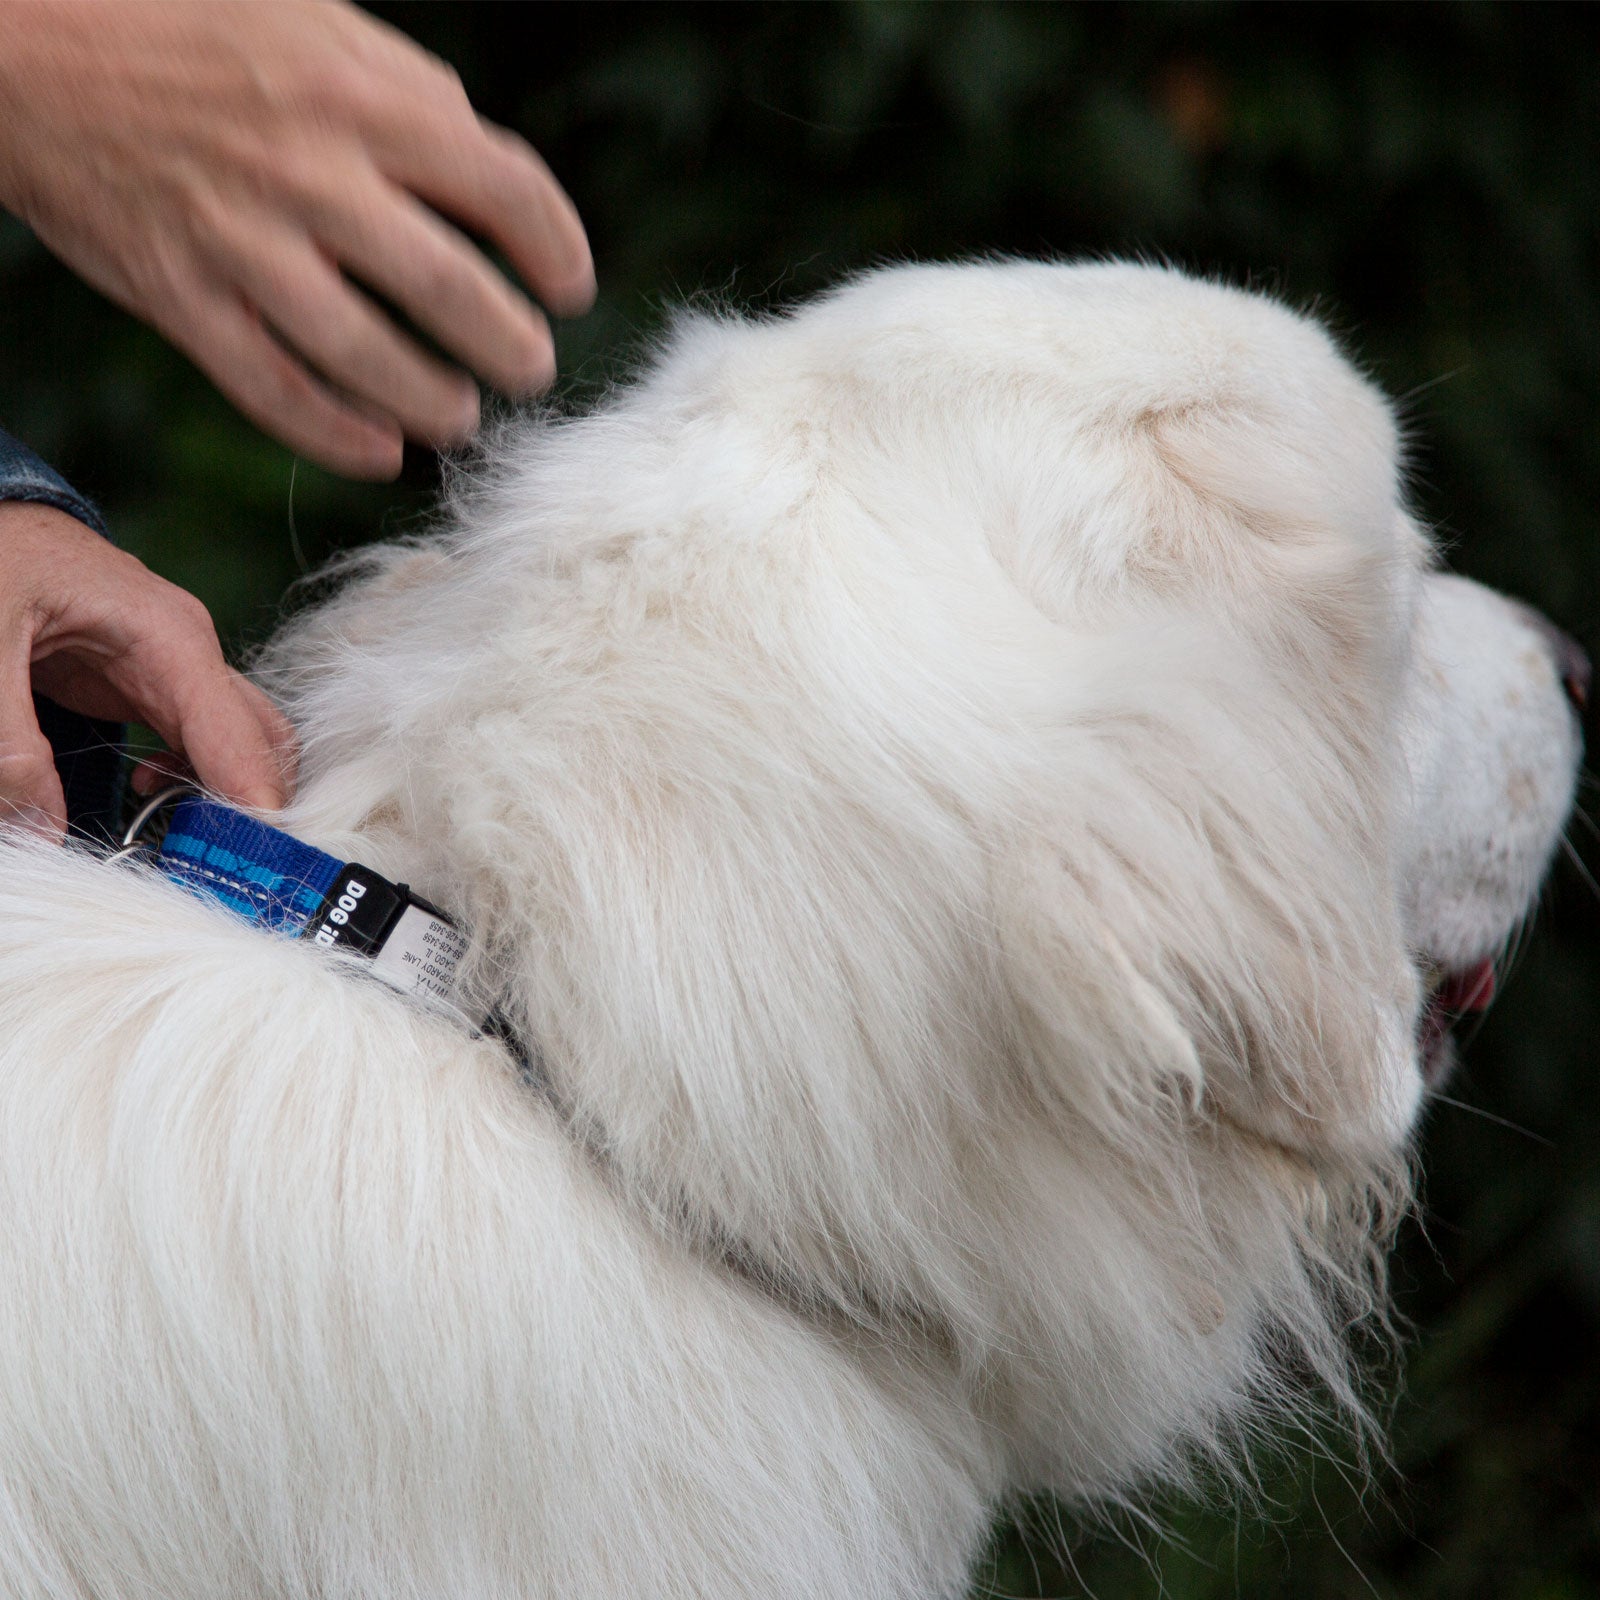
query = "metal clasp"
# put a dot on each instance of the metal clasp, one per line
(133, 840)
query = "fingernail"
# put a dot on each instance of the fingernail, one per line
(540, 373)
(577, 296)
(262, 798)
(384, 456)
(467, 414)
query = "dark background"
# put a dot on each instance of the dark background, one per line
(1425, 177)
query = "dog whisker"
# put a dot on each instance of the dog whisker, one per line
(1489, 1116)
(1580, 866)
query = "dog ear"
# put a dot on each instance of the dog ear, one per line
(1098, 1038)
(1180, 959)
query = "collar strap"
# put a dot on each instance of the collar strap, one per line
(278, 882)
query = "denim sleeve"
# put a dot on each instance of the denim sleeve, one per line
(88, 751)
(23, 476)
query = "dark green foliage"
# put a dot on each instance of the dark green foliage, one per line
(1427, 178)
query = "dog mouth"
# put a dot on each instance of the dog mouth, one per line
(1454, 994)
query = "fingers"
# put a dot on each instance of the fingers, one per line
(277, 287)
(368, 215)
(30, 790)
(424, 135)
(503, 189)
(277, 731)
(236, 740)
(494, 183)
(226, 340)
(310, 304)
(101, 634)
(167, 767)
(239, 745)
(228, 162)
(171, 766)
(442, 281)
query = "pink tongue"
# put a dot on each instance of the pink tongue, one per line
(1471, 990)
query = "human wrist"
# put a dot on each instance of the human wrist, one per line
(25, 479)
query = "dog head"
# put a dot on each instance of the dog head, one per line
(967, 786)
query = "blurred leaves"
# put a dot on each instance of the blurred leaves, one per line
(1425, 177)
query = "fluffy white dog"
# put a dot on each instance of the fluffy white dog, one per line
(964, 790)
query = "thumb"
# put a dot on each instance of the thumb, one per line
(230, 733)
(30, 791)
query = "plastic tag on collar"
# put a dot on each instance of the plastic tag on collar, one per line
(279, 882)
(413, 946)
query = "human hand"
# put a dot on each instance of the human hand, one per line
(99, 633)
(232, 173)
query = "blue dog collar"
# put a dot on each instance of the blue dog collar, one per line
(278, 882)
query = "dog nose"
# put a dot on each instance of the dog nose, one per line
(1573, 667)
(1570, 659)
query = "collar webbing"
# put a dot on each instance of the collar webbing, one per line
(278, 882)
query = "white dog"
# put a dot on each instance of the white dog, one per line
(963, 791)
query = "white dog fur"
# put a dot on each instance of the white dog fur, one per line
(961, 785)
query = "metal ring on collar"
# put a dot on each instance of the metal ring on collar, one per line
(132, 844)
